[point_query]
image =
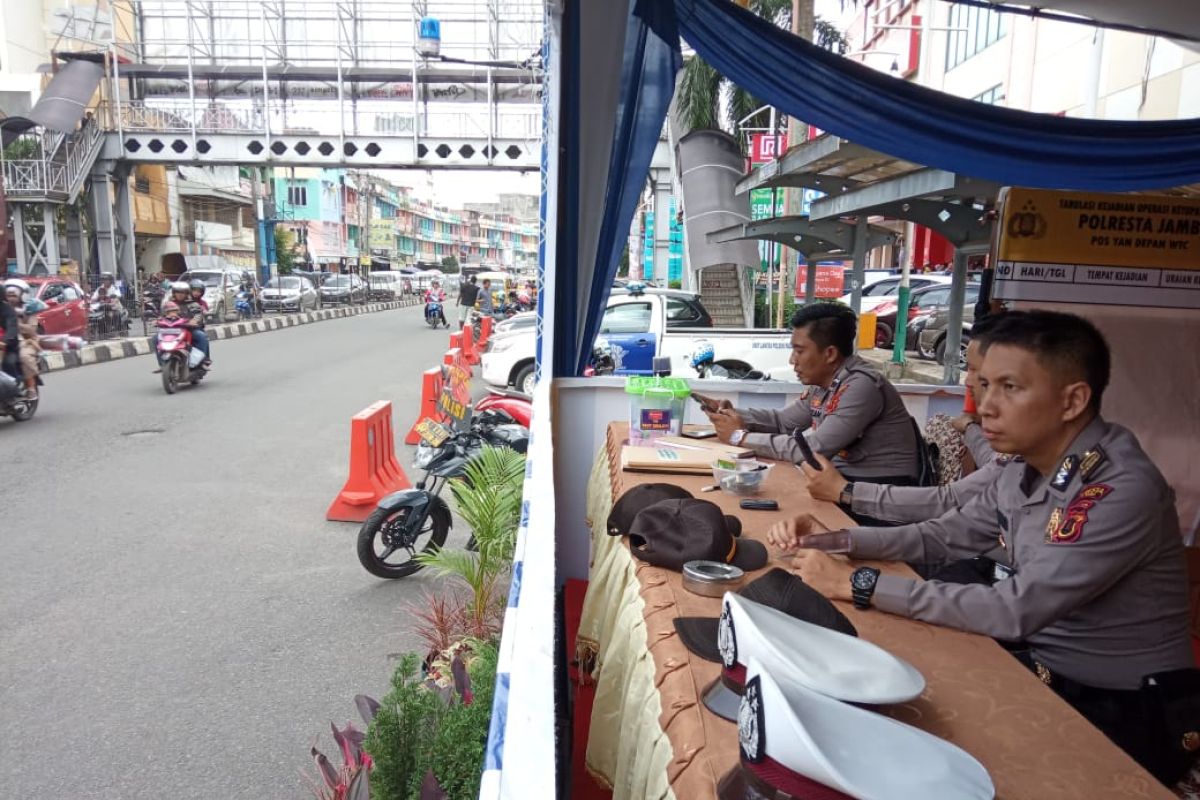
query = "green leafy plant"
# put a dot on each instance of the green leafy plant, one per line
(488, 498)
(285, 250)
(427, 740)
(450, 264)
(701, 91)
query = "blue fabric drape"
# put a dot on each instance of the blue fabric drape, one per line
(929, 127)
(648, 71)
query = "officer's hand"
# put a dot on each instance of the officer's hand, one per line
(726, 421)
(826, 483)
(786, 533)
(710, 404)
(828, 574)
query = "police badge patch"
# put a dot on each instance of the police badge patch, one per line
(726, 641)
(751, 731)
(1076, 515)
(1066, 471)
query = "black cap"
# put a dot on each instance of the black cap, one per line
(637, 498)
(778, 589)
(671, 533)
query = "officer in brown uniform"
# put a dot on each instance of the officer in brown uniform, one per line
(1099, 593)
(849, 412)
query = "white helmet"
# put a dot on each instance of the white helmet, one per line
(16, 283)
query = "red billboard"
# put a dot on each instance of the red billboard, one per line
(829, 280)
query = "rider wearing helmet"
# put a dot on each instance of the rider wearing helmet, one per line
(183, 296)
(20, 334)
(435, 294)
(107, 289)
(197, 289)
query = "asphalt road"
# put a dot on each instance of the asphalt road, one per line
(177, 618)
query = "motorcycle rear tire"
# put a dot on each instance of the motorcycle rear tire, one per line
(439, 515)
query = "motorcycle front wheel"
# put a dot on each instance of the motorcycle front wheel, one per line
(24, 410)
(170, 381)
(379, 541)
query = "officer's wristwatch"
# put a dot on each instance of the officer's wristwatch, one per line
(736, 437)
(862, 586)
(846, 498)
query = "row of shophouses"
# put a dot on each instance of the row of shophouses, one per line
(339, 220)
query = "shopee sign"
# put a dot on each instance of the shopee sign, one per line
(829, 280)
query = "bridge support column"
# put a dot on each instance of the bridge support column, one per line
(76, 245)
(35, 230)
(113, 219)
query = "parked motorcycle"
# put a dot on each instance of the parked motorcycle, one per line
(13, 400)
(107, 317)
(151, 303)
(179, 361)
(418, 520)
(516, 404)
(434, 315)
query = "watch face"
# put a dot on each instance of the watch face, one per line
(864, 578)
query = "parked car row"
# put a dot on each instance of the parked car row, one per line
(928, 313)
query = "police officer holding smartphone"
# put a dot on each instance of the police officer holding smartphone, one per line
(849, 412)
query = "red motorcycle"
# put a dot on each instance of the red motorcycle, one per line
(515, 404)
(179, 361)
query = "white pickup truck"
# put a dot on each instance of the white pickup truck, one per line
(639, 326)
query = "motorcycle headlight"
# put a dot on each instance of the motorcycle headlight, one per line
(424, 456)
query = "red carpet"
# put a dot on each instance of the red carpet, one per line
(583, 785)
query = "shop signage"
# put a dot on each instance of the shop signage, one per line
(1110, 249)
(765, 148)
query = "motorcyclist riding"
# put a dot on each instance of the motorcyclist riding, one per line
(435, 294)
(20, 334)
(109, 296)
(196, 288)
(192, 310)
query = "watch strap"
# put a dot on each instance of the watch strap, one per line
(862, 596)
(737, 436)
(846, 498)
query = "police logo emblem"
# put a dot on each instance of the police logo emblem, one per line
(1056, 518)
(1066, 471)
(726, 641)
(750, 723)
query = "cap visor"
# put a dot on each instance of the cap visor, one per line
(721, 700)
(750, 555)
(699, 635)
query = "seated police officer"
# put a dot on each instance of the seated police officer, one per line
(1099, 592)
(881, 501)
(849, 412)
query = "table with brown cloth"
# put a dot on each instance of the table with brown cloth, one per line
(651, 737)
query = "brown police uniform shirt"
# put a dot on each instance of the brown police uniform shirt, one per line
(859, 422)
(1100, 589)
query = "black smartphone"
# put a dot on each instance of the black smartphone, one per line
(707, 403)
(703, 433)
(759, 505)
(806, 450)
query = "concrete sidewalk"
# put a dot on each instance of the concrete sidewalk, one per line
(100, 352)
(914, 370)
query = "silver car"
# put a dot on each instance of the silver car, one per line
(290, 293)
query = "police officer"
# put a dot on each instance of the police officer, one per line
(850, 413)
(1099, 596)
(881, 501)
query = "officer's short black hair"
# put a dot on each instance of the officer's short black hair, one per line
(981, 327)
(828, 324)
(1064, 343)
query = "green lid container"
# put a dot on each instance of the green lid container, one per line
(638, 384)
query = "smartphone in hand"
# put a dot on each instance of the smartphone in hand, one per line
(806, 450)
(710, 405)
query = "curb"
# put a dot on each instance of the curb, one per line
(102, 352)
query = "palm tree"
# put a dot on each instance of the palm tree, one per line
(700, 91)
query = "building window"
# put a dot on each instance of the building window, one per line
(301, 235)
(992, 96)
(981, 27)
(297, 196)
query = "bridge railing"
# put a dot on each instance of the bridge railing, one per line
(321, 118)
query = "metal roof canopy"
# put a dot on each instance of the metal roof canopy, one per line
(860, 181)
(817, 240)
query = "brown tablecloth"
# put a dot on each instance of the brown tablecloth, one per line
(977, 696)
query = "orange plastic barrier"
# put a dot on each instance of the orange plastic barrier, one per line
(431, 390)
(485, 332)
(374, 470)
(464, 361)
(470, 349)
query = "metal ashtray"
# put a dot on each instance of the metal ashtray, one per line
(711, 578)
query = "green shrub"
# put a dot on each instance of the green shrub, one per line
(421, 727)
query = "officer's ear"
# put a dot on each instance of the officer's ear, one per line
(1076, 400)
